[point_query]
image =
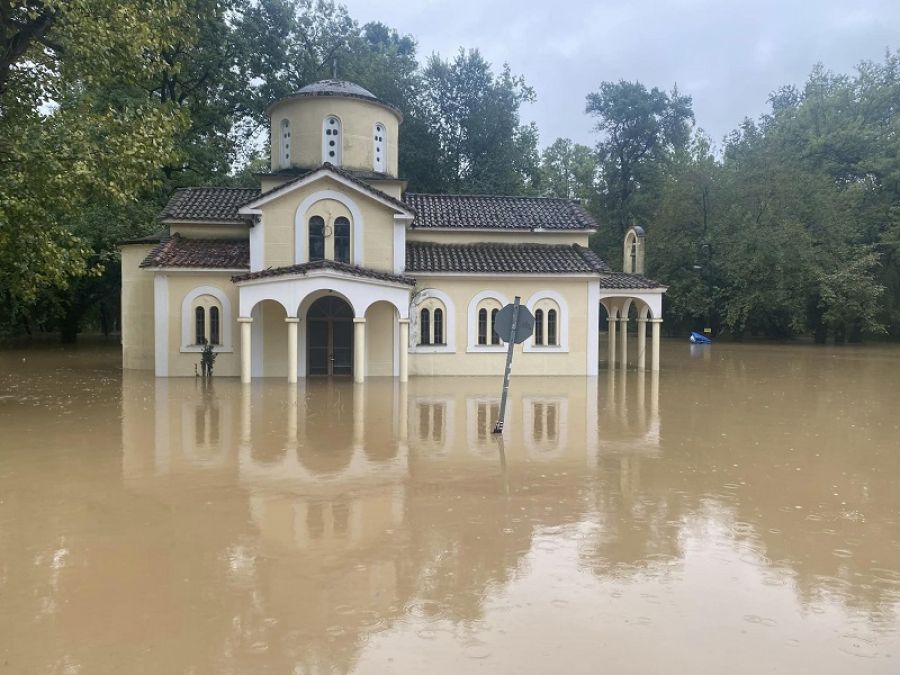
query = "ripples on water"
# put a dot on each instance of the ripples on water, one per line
(738, 512)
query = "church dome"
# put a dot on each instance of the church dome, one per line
(336, 89)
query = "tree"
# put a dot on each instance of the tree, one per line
(641, 130)
(63, 147)
(474, 116)
(568, 170)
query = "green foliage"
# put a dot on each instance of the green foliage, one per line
(473, 115)
(568, 170)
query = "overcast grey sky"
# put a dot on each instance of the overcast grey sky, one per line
(727, 54)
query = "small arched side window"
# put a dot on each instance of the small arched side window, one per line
(425, 327)
(285, 144)
(342, 239)
(379, 161)
(316, 238)
(214, 326)
(495, 338)
(331, 140)
(482, 326)
(200, 326)
(538, 326)
(438, 326)
(551, 327)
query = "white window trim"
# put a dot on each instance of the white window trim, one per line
(337, 160)
(301, 244)
(449, 345)
(187, 320)
(562, 324)
(285, 148)
(380, 168)
(472, 327)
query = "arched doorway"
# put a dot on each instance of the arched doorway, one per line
(329, 337)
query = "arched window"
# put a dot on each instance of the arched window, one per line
(285, 144)
(331, 140)
(482, 326)
(482, 317)
(342, 239)
(549, 323)
(425, 327)
(539, 327)
(316, 238)
(214, 326)
(379, 162)
(200, 326)
(495, 339)
(551, 327)
(430, 316)
(438, 326)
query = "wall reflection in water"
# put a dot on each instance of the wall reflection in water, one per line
(315, 528)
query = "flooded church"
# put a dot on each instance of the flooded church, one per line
(331, 268)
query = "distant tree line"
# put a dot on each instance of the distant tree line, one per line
(106, 106)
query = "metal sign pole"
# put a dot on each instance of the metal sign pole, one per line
(498, 428)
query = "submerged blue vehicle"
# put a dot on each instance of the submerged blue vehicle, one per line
(699, 339)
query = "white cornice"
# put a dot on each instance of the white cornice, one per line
(252, 208)
(322, 273)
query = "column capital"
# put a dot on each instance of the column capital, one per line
(655, 320)
(611, 319)
(623, 319)
(292, 319)
(640, 320)
(402, 321)
(357, 319)
(245, 319)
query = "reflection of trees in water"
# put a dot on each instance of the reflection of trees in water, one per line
(640, 517)
(789, 457)
(468, 538)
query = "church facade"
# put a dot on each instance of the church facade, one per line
(331, 268)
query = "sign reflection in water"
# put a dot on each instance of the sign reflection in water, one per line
(739, 514)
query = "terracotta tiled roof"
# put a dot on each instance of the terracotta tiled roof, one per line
(423, 257)
(205, 204)
(627, 281)
(227, 254)
(498, 213)
(328, 166)
(346, 268)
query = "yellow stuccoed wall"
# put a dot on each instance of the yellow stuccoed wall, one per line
(137, 309)
(278, 223)
(358, 118)
(461, 291)
(180, 284)
(380, 319)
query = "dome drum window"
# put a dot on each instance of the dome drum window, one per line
(379, 158)
(331, 140)
(285, 160)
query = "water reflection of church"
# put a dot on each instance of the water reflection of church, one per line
(353, 484)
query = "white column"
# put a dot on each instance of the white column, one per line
(623, 336)
(359, 350)
(246, 322)
(292, 322)
(404, 350)
(642, 344)
(612, 343)
(654, 358)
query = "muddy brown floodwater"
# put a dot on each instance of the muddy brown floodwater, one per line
(739, 513)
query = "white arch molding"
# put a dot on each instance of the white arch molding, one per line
(562, 326)
(301, 255)
(449, 323)
(472, 322)
(187, 320)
